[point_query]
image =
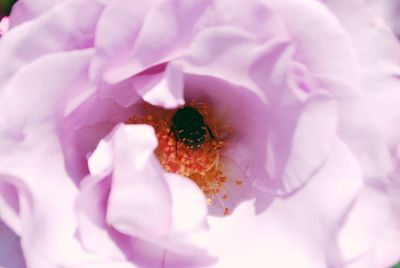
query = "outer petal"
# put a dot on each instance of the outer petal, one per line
(24, 10)
(28, 133)
(10, 249)
(62, 28)
(15, 202)
(364, 223)
(389, 10)
(370, 236)
(379, 64)
(378, 246)
(324, 45)
(295, 231)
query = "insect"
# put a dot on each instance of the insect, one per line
(189, 127)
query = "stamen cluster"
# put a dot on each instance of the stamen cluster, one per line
(202, 165)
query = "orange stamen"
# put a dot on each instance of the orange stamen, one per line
(203, 165)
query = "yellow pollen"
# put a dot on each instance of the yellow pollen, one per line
(202, 165)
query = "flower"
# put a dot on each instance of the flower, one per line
(288, 151)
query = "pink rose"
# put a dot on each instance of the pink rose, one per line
(284, 158)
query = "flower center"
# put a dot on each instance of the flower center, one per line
(190, 144)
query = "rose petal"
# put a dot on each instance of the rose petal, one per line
(381, 79)
(4, 25)
(57, 30)
(25, 10)
(15, 202)
(101, 161)
(167, 92)
(164, 31)
(364, 223)
(295, 226)
(322, 44)
(47, 230)
(189, 211)
(85, 126)
(94, 232)
(116, 32)
(134, 189)
(123, 93)
(10, 249)
(139, 204)
(389, 10)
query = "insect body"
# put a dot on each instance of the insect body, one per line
(189, 127)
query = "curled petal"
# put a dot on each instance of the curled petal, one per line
(168, 90)
(139, 204)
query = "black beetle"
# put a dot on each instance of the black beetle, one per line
(189, 127)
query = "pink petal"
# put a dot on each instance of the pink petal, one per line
(322, 44)
(10, 249)
(295, 231)
(123, 93)
(86, 123)
(57, 30)
(308, 152)
(189, 205)
(93, 231)
(47, 228)
(25, 10)
(189, 211)
(370, 236)
(168, 90)
(139, 204)
(381, 79)
(4, 25)
(15, 201)
(389, 10)
(165, 28)
(116, 31)
(364, 223)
